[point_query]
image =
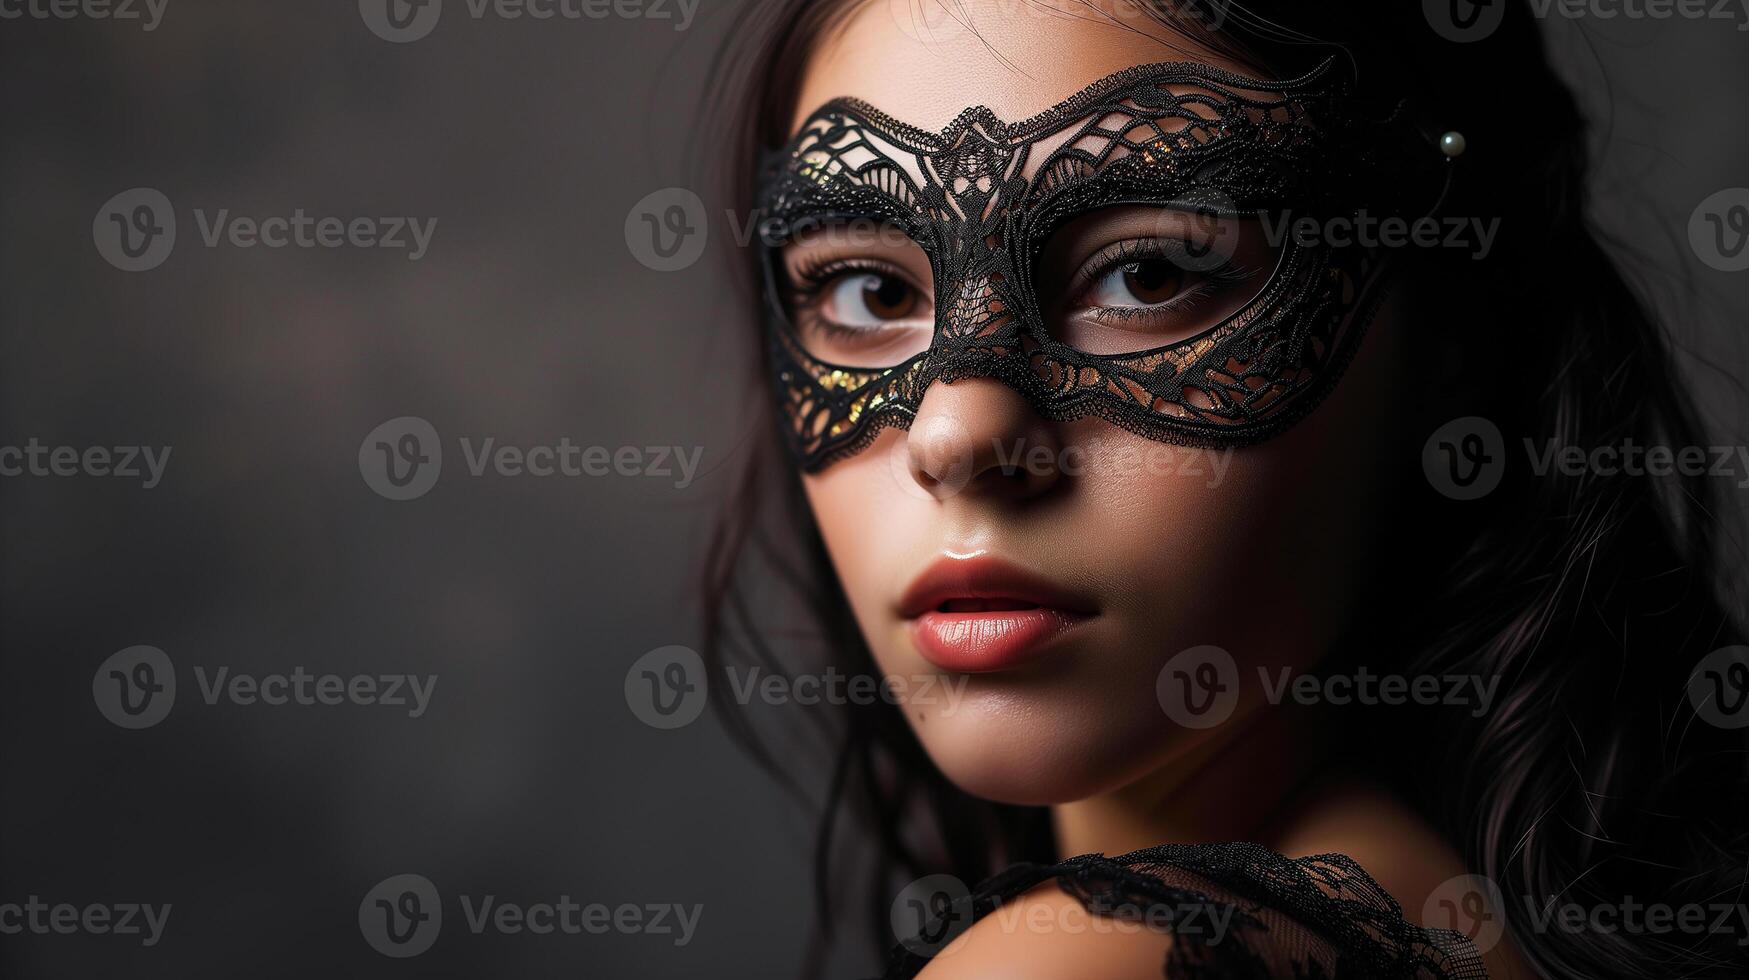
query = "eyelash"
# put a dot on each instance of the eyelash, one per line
(1123, 253)
(813, 275)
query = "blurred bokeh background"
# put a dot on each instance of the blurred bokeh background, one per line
(527, 320)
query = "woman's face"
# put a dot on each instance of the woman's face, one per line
(1056, 590)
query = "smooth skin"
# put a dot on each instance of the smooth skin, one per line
(1262, 560)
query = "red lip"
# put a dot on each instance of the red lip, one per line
(981, 614)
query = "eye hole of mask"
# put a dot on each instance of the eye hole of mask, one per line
(1114, 281)
(1132, 278)
(859, 294)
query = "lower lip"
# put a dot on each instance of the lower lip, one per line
(976, 642)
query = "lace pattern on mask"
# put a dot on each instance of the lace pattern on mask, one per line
(1179, 135)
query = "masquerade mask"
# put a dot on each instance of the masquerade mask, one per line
(1262, 328)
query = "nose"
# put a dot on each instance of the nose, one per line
(977, 435)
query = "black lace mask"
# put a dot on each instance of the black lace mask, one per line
(983, 197)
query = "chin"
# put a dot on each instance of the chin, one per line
(1012, 749)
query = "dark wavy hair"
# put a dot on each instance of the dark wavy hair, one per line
(1592, 597)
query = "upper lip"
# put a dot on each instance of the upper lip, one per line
(984, 577)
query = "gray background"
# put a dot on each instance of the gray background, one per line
(529, 320)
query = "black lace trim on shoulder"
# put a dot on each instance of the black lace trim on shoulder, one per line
(1237, 912)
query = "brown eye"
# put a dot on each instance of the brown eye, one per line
(888, 298)
(1148, 281)
(869, 298)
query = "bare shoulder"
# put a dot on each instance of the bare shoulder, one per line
(1045, 934)
(1405, 855)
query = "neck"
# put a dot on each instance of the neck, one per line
(1229, 788)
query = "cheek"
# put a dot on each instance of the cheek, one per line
(1256, 550)
(868, 509)
(1265, 550)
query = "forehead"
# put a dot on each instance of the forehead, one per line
(924, 61)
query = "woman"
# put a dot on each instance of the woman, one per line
(1102, 404)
